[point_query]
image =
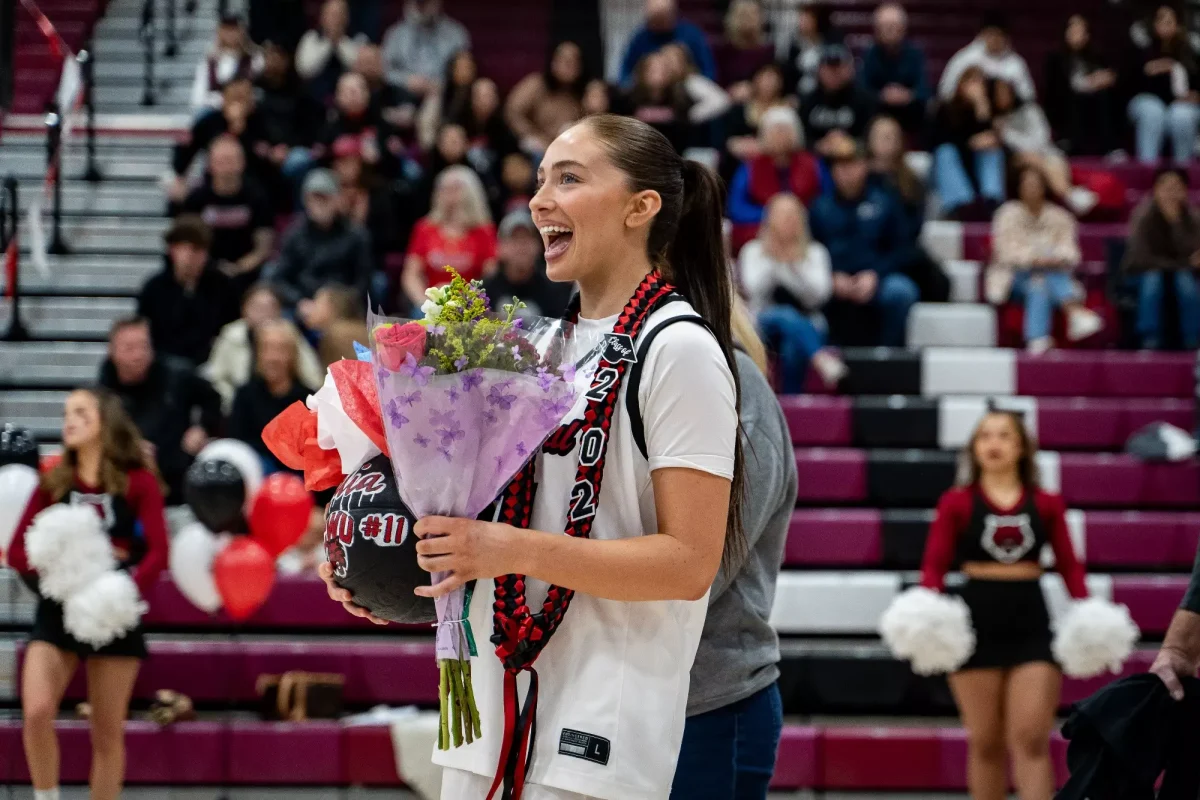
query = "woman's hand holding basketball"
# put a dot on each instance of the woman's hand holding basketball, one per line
(343, 596)
(468, 549)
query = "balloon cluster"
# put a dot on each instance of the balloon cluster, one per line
(18, 478)
(226, 559)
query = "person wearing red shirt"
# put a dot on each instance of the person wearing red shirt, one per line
(107, 466)
(458, 232)
(994, 527)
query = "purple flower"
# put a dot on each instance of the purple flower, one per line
(445, 451)
(518, 323)
(442, 418)
(421, 440)
(471, 380)
(450, 434)
(459, 363)
(522, 450)
(397, 419)
(410, 398)
(545, 379)
(411, 369)
(516, 351)
(436, 330)
(452, 394)
(497, 397)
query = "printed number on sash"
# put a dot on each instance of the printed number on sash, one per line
(583, 500)
(605, 379)
(591, 446)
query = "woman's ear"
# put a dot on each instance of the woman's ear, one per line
(642, 208)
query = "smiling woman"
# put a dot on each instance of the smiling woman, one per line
(612, 612)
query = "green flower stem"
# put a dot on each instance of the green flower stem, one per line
(456, 701)
(471, 707)
(443, 691)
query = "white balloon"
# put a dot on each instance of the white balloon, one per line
(192, 552)
(18, 482)
(242, 456)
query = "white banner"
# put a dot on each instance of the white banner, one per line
(70, 92)
(37, 236)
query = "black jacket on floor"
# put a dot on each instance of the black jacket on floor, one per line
(1126, 735)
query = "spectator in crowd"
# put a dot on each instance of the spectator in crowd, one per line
(660, 99)
(395, 105)
(744, 50)
(231, 363)
(992, 53)
(488, 137)
(450, 102)
(280, 21)
(1035, 249)
(814, 31)
(321, 246)
(662, 27)
(1164, 249)
(787, 280)
(418, 48)
(518, 183)
(707, 100)
(781, 164)
(238, 117)
(521, 273)
(838, 103)
(545, 103)
(742, 120)
(968, 162)
(190, 300)
(458, 232)
(1024, 130)
(274, 386)
(290, 116)
(453, 149)
(237, 212)
(885, 150)
(1081, 91)
(1165, 85)
(233, 56)
(894, 70)
(337, 315)
(352, 116)
(327, 51)
(862, 227)
(597, 98)
(364, 198)
(176, 411)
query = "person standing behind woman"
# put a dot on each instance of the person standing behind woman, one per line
(104, 466)
(627, 219)
(787, 279)
(994, 525)
(1165, 86)
(735, 714)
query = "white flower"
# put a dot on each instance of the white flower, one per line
(437, 294)
(431, 310)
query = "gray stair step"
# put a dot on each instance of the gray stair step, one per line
(76, 275)
(108, 197)
(108, 145)
(124, 71)
(40, 411)
(111, 97)
(107, 234)
(34, 364)
(125, 45)
(69, 317)
(28, 164)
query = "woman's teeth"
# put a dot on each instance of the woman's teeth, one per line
(558, 239)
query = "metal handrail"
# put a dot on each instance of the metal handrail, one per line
(9, 219)
(147, 35)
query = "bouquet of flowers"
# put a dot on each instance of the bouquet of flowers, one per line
(466, 398)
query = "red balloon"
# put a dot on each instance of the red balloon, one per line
(244, 573)
(280, 512)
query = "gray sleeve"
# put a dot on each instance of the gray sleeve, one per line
(769, 465)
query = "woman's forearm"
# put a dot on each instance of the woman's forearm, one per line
(656, 566)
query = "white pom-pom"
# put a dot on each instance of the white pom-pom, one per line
(68, 548)
(193, 550)
(1094, 635)
(929, 629)
(104, 610)
(17, 484)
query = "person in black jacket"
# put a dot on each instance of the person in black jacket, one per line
(176, 410)
(837, 104)
(1165, 84)
(274, 387)
(968, 160)
(1081, 93)
(321, 247)
(190, 300)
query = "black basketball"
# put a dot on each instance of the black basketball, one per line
(371, 545)
(17, 446)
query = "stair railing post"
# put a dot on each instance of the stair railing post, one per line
(87, 63)
(172, 48)
(9, 218)
(148, 41)
(54, 168)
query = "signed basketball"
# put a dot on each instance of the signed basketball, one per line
(370, 544)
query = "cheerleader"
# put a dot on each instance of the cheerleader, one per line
(619, 602)
(995, 525)
(105, 466)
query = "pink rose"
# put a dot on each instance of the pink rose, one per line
(394, 342)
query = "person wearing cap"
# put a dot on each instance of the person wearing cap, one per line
(321, 247)
(781, 165)
(838, 103)
(188, 302)
(992, 52)
(1164, 247)
(862, 227)
(521, 273)
(894, 69)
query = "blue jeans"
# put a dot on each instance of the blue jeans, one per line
(895, 297)
(1042, 292)
(954, 185)
(1153, 119)
(795, 338)
(729, 753)
(1150, 297)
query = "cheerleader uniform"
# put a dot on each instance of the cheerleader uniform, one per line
(1012, 624)
(613, 680)
(134, 522)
